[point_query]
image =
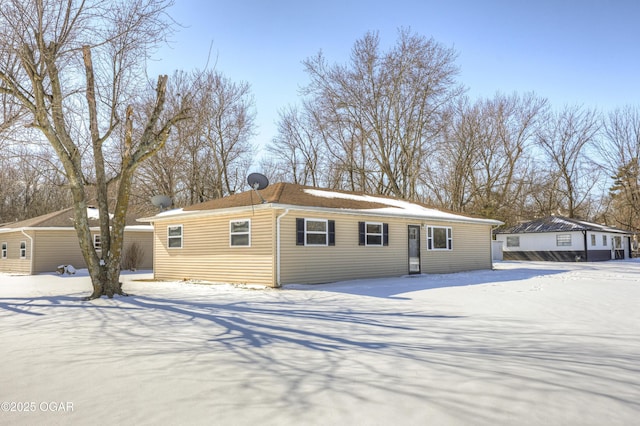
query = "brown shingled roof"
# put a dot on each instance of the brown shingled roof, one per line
(59, 219)
(289, 194)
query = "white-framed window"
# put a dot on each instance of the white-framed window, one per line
(604, 240)
(316, 232)
(563, 240)
(23, 249)
(174, 236)
(513, 241)
(373, 233)
(439, 238)
(4, 250)
(593, 239)
(240, 233)
(97, 242)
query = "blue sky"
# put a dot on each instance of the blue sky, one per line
(571, 52)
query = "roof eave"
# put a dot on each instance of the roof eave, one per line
(66, 228)
(355, 212)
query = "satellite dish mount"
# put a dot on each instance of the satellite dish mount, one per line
(257, 182)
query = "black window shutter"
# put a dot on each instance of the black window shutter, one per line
(385, 234)
(361, 233)
(332, 232)
(300, 231)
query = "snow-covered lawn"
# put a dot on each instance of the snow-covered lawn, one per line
(526, 344)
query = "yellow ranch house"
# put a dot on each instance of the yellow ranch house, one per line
(288, 233)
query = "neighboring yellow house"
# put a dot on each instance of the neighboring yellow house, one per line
(290, 233)
(43, 243)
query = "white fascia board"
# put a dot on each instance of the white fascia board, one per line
(369, 213)
(148, 228)
(163, 217)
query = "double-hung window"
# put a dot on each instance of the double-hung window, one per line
(373, 234)
(593, 239)
(4, 250)
(563, 240)
(97, 242)
(174, 236)
(315, 232)
(604, 240)
(439, 238)
(240, 233)
(23, 249)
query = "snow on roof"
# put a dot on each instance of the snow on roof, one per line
(396, 207)
(558, 224)
(170, 212)
(288, 195)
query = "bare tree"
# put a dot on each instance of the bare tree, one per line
(482, 163)
(449, 177)
(300, 148)
(566, 142)
(386, 106)
(81, 104)
(32, 186)
(209, 154)
(228, 122)
(505, 154)
(619, 151)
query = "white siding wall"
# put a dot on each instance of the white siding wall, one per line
(543, 241)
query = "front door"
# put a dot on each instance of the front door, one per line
(414, 249)
(618, 250)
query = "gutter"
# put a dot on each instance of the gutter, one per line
(370, 213)
(278, 283)
(31, 252)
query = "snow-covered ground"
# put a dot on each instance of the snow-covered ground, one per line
(525, 344)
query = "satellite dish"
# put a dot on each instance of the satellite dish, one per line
(257, 181)
(161, 201)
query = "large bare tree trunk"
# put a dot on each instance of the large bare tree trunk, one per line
(39, 44)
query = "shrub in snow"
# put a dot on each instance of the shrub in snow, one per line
(132, 257)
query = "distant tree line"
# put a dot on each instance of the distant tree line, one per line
(398, 123)
(394, 122)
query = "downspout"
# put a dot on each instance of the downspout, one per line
(586, 255)
(31, 251)
(278, 284)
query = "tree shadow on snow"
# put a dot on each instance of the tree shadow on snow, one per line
(312, 347)
(393, 288)
(290, 351)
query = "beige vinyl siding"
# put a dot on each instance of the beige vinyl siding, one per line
(471, 249)
(207, 255)
(13, 262)
(348, 260)
(145, 240)
(55, 248)
(61, 247)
